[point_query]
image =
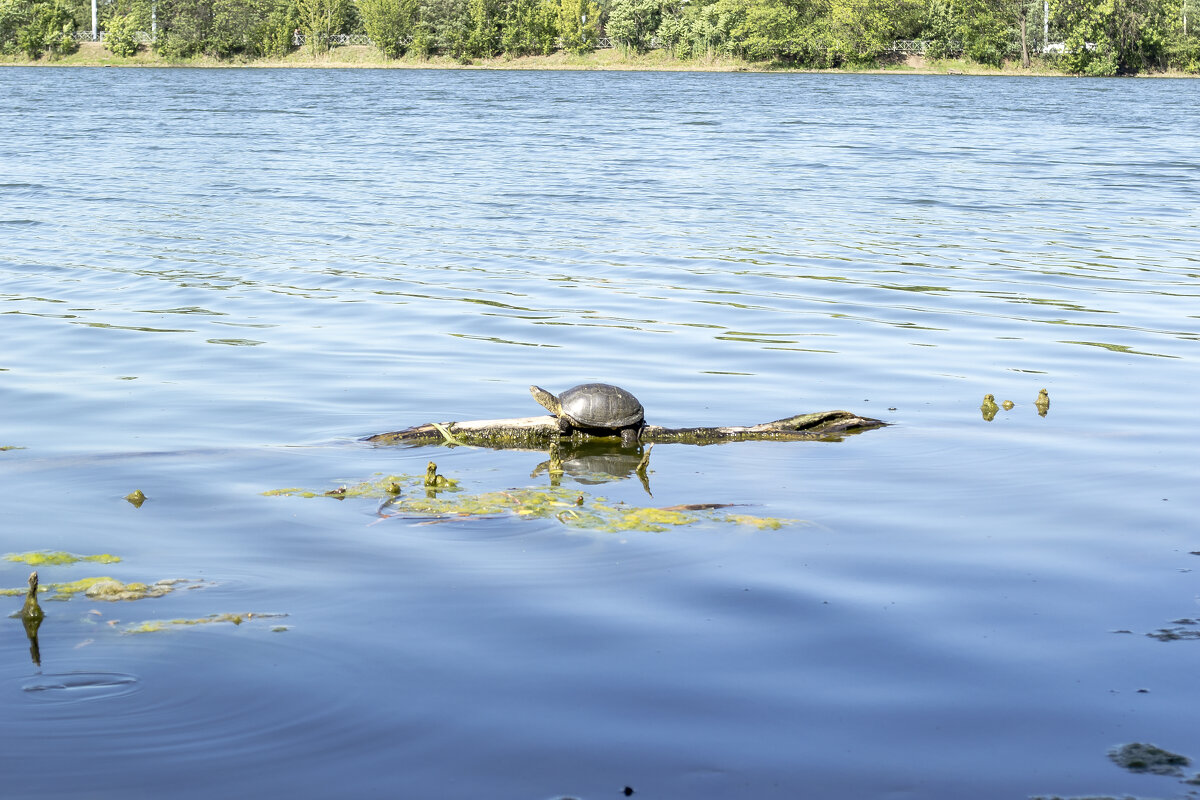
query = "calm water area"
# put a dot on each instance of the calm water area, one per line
(215, 283)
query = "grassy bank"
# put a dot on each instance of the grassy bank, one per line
(92, 54)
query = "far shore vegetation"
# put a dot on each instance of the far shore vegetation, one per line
(1032, 37)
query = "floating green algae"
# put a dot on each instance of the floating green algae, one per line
(159, 625)
(409, 496)
(382, 487)
(58, 557)
(110, 589)
(105, 588)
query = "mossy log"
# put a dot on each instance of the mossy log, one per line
(539, 432)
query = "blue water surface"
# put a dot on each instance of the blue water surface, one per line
(214, 282)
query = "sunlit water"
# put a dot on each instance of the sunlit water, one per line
(213, 283)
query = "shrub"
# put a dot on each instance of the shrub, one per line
(119, 36)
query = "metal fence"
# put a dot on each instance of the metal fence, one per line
(336, 40)
(141, 37)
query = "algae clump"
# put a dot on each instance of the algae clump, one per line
(158, 625)
(58, 558)
(106, 588)
(436, 499)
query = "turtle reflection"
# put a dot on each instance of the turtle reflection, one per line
(592, 463)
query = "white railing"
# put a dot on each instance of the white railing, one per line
(141, 37)
(914, 46)
(336, 40)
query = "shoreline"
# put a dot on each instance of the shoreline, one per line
(93, 54)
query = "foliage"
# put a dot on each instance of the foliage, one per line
(988, 29)
(530, 28)
(483, 36)
(35, 28)
(1108, 37)
(120, 35)
(632, 23)
(445, 26)
(858, 31)
(390, 23)
(579, 25)
(273, 31)
(321, 19)
(1100, 37)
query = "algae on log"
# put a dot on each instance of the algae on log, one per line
(538, 432)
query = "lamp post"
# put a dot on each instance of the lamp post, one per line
(94, 34)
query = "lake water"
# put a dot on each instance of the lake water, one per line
(214, 283)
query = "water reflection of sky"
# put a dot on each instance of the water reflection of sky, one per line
(212, 282)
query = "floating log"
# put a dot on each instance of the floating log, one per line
(539, 432)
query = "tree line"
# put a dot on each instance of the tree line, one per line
(1097, 37)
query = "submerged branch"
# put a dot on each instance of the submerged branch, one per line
(539, 432)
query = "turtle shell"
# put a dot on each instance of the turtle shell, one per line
(599, 405)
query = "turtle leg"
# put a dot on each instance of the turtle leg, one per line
(564, 427)
(630, 436)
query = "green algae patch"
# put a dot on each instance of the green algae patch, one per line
(762, 523)
(292, 492)
(160, 625)
(570, 507)
(382, 487)
(112, 590)
(4, 447)
(442, 499)
(58, 558)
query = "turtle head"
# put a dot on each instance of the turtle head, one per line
(546, 400)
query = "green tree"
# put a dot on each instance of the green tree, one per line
(1182, 34)
(1107, 37)
(707, 28)
(320, 20)
(857, 31)
(632, 23)
(13, 17)
(675, 34)
(232, 24)
(983, 30)
(445, 27)
(530, 28)
(120, 35)
(767, 30)
(483, 38)
(271, 34)
(988, 30)
(39, 27)
(579, 25)
(390, 23)
(183, 27)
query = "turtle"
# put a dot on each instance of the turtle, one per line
(598, 408)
